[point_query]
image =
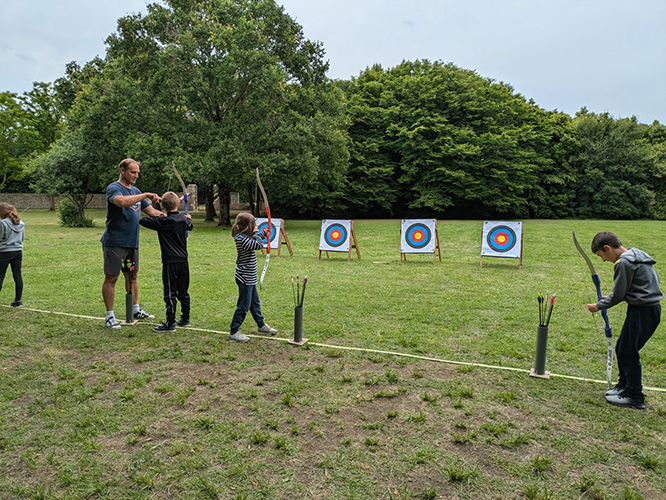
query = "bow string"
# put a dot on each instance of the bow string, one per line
(270, 229)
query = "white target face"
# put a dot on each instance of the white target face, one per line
(276, 224)
(417, 235)
(335, 235)
(502, 239)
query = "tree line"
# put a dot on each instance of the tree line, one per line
(224, 87)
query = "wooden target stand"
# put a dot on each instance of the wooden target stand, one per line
(520, 258)
(436, 250)
(281, 239)
(352, 244)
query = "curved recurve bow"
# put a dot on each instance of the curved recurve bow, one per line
(186, 198)
(604, 314)
(270, 228)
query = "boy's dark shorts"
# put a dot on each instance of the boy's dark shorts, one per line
(114, 256)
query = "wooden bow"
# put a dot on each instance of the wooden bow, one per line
(604, 314)
(270, 228)
(186, 198)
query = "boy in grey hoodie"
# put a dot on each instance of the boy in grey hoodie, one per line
(11, 248)
(636, 281)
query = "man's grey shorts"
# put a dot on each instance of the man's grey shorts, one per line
(114, 256)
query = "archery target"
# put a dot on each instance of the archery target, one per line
(417, 235)
(276, 224)
(335, 235)
(502, 239)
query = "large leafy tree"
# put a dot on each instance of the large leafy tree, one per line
(29, 124)
(227, 86)
(69, 169)
(17, 140)
(82, 161)
(431, 137)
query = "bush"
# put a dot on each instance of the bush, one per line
(70, 216)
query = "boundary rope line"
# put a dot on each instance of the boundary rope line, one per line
(362, 349)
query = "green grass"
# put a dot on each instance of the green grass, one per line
(90, 413)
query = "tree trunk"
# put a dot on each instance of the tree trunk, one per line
(80, 202)
(225, 202)
(253, 196)
(208, 192)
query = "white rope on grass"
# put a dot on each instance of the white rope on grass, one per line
(55, 312)
(363, 349)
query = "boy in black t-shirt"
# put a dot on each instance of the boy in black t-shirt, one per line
(172, 233)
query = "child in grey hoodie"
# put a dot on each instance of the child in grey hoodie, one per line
(636, 281)
(12, 232)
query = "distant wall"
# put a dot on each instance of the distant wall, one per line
(234, 203)
(46, 201)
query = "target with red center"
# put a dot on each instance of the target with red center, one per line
(418, 235)
(501, 239)
(334, 235)
(262, 223)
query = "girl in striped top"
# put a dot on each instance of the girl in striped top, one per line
(248, 240)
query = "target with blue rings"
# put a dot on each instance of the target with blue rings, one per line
(335, 235)
(502, 239)
(418, 236)
(262, 223)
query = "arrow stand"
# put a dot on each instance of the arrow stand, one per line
(539, 369)
(298, 327)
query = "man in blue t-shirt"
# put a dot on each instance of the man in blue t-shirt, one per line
(120, 241)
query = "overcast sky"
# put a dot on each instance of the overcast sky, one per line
(606, 55)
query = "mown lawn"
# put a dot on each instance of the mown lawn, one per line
(90, 413)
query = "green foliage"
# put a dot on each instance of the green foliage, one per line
(70, 215)
(433, 137)
(655, 135)
(75, 80)
(15, 140)
(615, 166)
(72, 168)
(29, 124)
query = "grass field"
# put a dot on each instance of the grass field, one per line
(90, 413)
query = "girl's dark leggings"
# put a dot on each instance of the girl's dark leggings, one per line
(13, 259)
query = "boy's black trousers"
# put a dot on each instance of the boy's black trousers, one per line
(176, 282)
(640, 324)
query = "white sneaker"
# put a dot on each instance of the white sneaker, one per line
(141, 314)
(614, 391)
(238, 337)
(112, 323)
(267, 330)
